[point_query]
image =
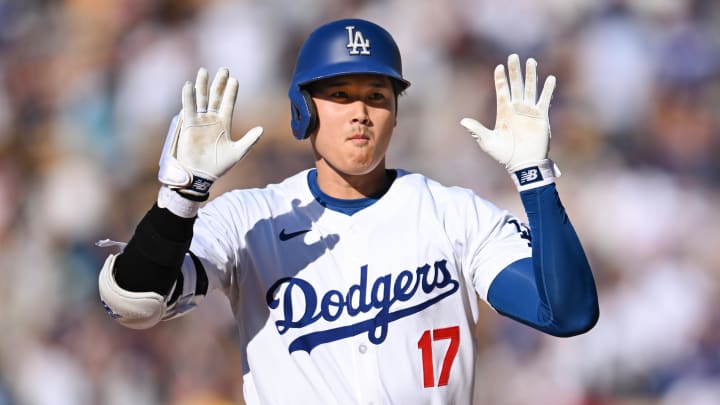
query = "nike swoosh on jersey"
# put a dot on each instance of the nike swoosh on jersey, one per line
(286, 236)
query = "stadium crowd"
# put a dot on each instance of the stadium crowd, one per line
(87, 89)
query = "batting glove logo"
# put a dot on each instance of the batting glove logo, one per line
(529, 175)
(200, 184)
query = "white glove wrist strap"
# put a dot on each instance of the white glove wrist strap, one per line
(534, 174)
(177, 204)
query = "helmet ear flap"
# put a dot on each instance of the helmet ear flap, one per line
(311, 111)
(303, 118)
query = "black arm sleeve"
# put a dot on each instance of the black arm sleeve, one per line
(152, 259)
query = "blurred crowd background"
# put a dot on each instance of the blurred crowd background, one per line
(87, 89)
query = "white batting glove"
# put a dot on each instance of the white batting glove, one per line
(521, 137)
(199, 148)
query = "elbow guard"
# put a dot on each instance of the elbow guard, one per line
(136, 310)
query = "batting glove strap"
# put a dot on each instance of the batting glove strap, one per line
(534, 174)
(179, 204)
(198, 190)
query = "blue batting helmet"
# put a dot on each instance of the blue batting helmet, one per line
(338, 48)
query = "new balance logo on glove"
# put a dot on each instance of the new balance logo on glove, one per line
(200, 185)
(529, 175)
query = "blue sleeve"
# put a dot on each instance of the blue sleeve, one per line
(554, 291)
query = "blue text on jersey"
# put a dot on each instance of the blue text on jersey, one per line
(358, 300)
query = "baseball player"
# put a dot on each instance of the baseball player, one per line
(350, 282)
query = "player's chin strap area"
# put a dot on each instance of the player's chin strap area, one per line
(534, 174)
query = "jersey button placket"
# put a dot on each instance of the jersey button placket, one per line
(364, 353)
(368, 371)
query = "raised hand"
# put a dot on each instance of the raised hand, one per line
(522, 128)
(198, 148)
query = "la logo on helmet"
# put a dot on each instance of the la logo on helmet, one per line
(357, 40)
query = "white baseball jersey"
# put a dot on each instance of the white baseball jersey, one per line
(374, 308)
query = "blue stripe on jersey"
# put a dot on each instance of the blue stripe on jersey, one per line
(554, 291)
(348, 207)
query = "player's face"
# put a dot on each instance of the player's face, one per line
(356, 119)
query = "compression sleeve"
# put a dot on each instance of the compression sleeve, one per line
(152, 259)
(554, 291)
